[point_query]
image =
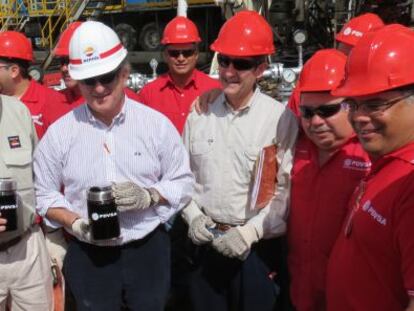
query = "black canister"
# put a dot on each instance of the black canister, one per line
(8, 203)
(103, 213)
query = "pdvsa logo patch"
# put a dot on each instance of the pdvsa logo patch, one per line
(357, 165)
(369, 209)
(352, 32)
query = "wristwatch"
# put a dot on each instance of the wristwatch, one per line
(155, 196)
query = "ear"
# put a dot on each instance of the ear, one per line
(14, 71)
(260, 69)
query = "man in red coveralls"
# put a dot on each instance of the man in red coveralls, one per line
(349, 35)
(61, 51)
(173, 92)
(372, 263)
(329, 163)
(45, 105)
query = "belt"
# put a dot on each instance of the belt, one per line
(223, 227)
(6, 245)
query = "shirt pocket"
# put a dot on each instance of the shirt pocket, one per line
(19, 164)
(201, 159)
(200, 148)
(251, 154)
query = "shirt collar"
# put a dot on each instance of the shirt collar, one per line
(32, 93)
(247, 107)
(405, 153)
(168, 81)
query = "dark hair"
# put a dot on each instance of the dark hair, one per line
(21, 63)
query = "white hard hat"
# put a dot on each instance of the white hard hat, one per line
(94, 50)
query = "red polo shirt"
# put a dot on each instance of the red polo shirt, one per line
(175, 103)
(372, 262)
(45, 106)
(319, 197)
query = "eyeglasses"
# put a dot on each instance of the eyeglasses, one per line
(184, 53)
(5, 66)
(103, 79)
(324, 111)
(241, 64)
(373, 107)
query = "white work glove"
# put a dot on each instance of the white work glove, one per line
(198, 230)
(130, 196)
(56, 246)
(237, 242)
(81, 229)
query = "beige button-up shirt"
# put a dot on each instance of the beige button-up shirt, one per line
(224, 145)
(17, 141)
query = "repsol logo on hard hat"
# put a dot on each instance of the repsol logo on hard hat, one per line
(349, 31)
(96, 216)
(89, 54)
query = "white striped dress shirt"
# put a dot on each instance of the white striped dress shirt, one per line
(141, 145)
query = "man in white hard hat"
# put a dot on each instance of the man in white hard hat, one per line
(112, 140)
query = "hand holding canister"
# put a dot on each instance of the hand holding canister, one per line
(130, 196)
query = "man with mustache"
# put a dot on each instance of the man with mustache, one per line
(329, 162)
(172, 93)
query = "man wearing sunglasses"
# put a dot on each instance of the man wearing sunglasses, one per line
(346, 39)
(72, 92)
(45, 105)
(372, 262)
(329, 163)
(172, 93)
(112, 140)
(226, 228)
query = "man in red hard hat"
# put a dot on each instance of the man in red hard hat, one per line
(61, 51)
(227, 220)
(45, 105)
(372, 262)
(329, 162)
(347, 38)
(173, 92)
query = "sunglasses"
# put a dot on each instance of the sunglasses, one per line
(325, 111)
(103, 79)
(240, 64)
(184, 53)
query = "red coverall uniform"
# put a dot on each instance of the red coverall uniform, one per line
(319, 198)
(372, 263)
(162, 95)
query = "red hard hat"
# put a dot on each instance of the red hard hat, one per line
(381, 61)
(245, 34)
(14, 44)
(323, 71)
(180, 30)
(357, 26)
(62, 47)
